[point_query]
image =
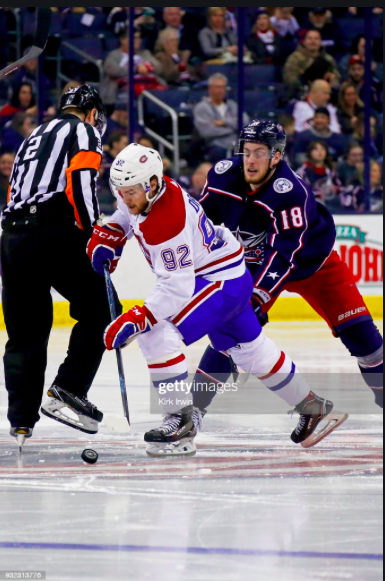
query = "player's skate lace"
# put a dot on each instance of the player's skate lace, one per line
(171, 423)
(198, 419)
(301, 424)
(303, 417)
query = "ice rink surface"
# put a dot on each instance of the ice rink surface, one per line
(250, 506)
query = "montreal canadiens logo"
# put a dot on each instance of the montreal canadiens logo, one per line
(223, 166)
(143, 159)
(282, 186)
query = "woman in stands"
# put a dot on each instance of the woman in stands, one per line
(319, 173)
(349, 107)
(265, 43)
(217, 42)
(22, 100)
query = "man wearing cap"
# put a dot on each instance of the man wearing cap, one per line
(321, 19)
(319, 130)
(356, 76)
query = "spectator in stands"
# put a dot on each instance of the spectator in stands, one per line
(216, 119)
(116, 69)
(118, 120)
(118, 19)
(116, 142)
(217, 42)
(319, 96)
(376, 188)
(13, 135)
(22, 100)
(319, 131)
(350, 169)
(308, 63)
(28, 74)
(285, 23)
(6, 164)
(358, 48)
(264, 43)
(376, 145)
(356, 72)
(173, 17)
(349, 107)
(332, 35)
(354, 196)
(174, 69)
(318, 172)
(195, 185)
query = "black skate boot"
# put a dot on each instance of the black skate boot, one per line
(21, 435)
(87, 415)
(313, 410)
(175, 437)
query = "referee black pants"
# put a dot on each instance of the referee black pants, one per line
(36, 257)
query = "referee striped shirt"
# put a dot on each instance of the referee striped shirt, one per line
(60, 158)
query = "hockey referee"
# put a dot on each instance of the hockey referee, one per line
(52, 208)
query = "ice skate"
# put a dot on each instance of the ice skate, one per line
(71, 410)
(175, 437)
(314, 410)
(21, 435)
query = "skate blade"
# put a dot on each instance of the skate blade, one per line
(183, 448)
(20, 438)
(55, 414)
(334, 419)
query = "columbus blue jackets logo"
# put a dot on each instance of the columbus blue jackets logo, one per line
(282, 185)
(253, 244)
(223, 166)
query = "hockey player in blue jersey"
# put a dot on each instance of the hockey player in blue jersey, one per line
(288, 239)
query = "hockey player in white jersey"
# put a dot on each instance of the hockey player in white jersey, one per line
(203, 288)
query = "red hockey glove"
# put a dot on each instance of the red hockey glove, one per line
(106, 246)
(126, 328)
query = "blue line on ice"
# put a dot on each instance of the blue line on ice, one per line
(193, 550)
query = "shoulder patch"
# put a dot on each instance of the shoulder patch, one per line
(167, 218)
(223, 166)
(282, 185)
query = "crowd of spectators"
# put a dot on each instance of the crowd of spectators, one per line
(320, 76)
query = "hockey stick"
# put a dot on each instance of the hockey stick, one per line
(122, 379)
(43, 24)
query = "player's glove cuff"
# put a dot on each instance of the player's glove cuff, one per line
(260, 295)
(106, 247)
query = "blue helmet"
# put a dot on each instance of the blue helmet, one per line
(267, 132)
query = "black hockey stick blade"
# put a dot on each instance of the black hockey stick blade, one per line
(122, 378)
(43, 25)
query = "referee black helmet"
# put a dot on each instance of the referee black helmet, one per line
(86, 98)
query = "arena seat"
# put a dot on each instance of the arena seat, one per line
(261, 99)
(77, 28)
(254, 74)
(352, 27)
(92, 46)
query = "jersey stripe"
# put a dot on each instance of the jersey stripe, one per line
(45, 163)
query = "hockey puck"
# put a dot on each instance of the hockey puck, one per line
(90, 456)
